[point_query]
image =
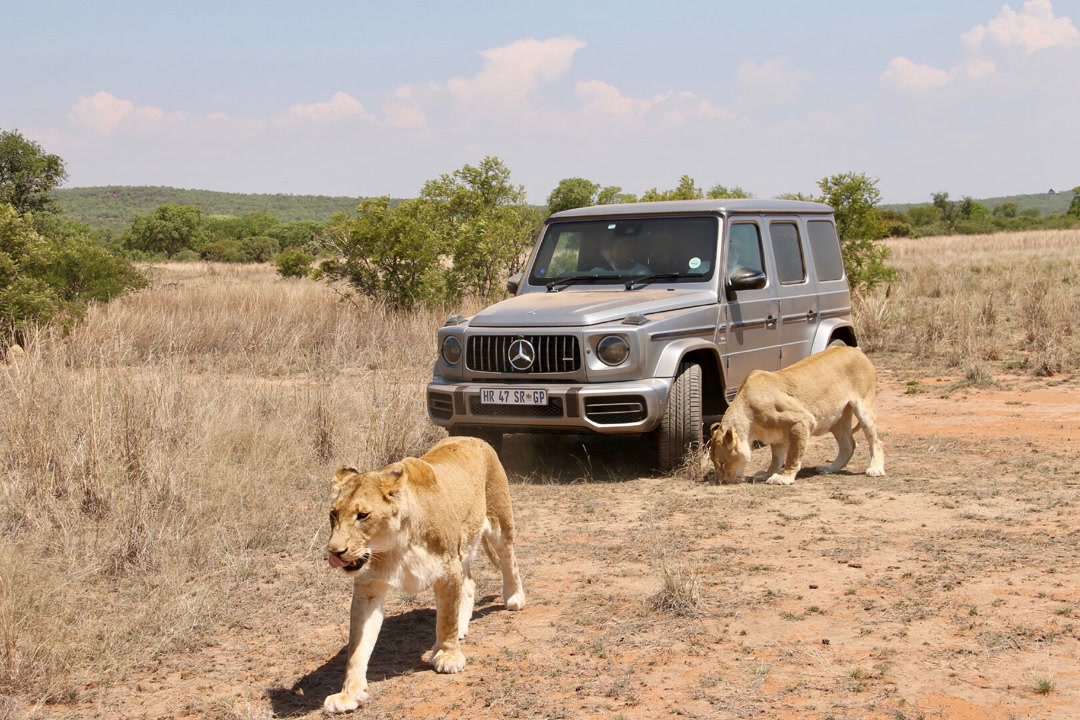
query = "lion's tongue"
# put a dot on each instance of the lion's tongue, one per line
(335, 561)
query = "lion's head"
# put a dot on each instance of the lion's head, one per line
(365, 516)
(729, 452)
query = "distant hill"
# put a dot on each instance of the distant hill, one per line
(1046, 203)
(115, 207)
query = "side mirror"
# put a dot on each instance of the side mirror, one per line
(514, 283)
(746, 279)
(742, 278)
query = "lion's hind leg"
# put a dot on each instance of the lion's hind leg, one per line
(845, 442)
(500, 550)
(864, 411)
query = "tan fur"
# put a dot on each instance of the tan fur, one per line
(413, 525)
(783, 409)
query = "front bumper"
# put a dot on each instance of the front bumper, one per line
(617, 408)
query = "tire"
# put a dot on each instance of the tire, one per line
(680, 428)
(837, 342)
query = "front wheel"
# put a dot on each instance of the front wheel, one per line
(680, 428)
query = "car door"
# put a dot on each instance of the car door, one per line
(750, 317)
(834, 300)
(795, 289)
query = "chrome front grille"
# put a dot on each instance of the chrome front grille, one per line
(553, 354)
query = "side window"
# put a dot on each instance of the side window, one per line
(788, 252)
(825, 248)
(744, 248)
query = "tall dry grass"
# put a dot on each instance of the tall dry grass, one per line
(151, 460)
(1010, 300)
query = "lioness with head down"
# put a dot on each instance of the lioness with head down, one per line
(816, 395)
(412, 525)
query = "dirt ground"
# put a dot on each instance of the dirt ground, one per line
(948, 589)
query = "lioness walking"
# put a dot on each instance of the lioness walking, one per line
(412, 525)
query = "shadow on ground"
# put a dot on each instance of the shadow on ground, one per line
(563, 459)
(403, 641)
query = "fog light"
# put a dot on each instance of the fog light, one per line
(612, 350)
(451, 350)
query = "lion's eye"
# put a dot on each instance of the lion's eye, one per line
(361, 516)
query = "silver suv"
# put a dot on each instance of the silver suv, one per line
(644, 319)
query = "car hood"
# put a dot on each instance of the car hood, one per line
(580, 308)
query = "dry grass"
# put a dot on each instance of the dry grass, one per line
(171, 457)
(1009, 301)
(151, 459)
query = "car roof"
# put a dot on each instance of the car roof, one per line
(719, 206)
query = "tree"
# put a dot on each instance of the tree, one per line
(28, 174)
(950, 209)
(721, 191)
(1074, 206)
(1009, 210)
(854, 198)
(685, 190)
(48, 279)
(167, 231)
(484, 223)
(391, 255)
(572, 193)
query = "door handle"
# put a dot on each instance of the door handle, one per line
(770, 322)
(811, 315)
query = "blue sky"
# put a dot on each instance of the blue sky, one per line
(359, 99)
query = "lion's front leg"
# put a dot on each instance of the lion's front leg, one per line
(446, 655)
(798, 437)
(365, 621)
(779, 453)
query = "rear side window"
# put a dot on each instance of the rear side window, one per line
(788, 252)
(825, 248)
(744, 248)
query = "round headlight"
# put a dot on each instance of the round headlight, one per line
(612, 350)
(451, 350)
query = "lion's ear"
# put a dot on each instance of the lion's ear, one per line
(731, 439)
(419, 472)
(391, 479)
(713, 428)
(344, 473)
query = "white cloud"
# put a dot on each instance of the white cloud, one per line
(1032, 29)
(603, 101)
(511, 73)
(339, 107)
(906, 75)
(102, 112)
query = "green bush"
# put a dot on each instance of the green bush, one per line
(53, 278)
(293, 264)
(222, 251)
(259, 248)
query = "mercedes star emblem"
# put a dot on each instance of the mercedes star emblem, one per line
(521, 354)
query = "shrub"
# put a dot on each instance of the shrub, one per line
(293, 264)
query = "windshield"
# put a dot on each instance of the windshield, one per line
(675, 249)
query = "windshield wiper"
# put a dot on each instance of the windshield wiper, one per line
(646, 279)
(574, 279)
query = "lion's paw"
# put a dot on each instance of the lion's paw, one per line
(344, 702)
(516, 601)
(448, 661)
(778, 479)
(875, 472)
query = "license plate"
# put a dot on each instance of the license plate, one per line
(513, 396)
